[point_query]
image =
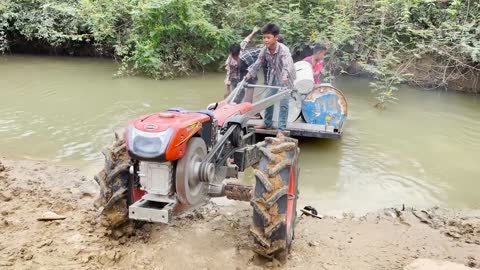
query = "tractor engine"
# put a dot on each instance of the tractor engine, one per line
(161, 136)
(156, 143)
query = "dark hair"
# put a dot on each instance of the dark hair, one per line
(271, 28)
(235, 49)
(281, 38)
(319, 48)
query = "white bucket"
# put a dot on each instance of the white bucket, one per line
(294, 108)
(304, 82)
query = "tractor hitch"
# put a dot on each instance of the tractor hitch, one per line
(238, 192)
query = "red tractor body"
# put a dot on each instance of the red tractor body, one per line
(174, 160)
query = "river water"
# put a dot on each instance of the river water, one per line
(421, 152)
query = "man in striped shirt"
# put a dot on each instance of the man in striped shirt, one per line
(280, 72)
(248, 58)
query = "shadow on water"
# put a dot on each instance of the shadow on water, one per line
(320, 144)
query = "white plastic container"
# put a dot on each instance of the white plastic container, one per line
(304, 82)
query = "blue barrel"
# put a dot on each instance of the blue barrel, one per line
(325, 105)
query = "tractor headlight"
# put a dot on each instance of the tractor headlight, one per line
(148, 144)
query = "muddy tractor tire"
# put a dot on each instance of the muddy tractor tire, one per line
(114, 180)
(275, 197)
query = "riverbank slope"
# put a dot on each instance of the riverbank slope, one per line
(214, 237)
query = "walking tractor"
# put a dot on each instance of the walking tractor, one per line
(173, 161)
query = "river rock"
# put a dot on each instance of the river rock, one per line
(428, 264)
(49, 216)
(313, 243)
(5, 196)
(45, 243)
(4, 223)
(109, 257)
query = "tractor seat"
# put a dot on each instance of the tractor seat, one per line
(207, 112)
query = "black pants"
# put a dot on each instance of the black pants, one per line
(243, 73)
(234, 83)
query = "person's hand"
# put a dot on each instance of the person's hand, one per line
(227, 82)
(248, 77)
(255, 29)
(285, 81)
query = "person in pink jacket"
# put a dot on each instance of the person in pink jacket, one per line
(316, 60)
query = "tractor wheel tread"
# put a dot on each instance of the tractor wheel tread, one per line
(261, 144)
(270, 201)
(271, 252)
(119, 149)
(122, 167)
(276, 196)
(259, 236)
(118, 195)
(259, 208)
(109, 161)
(279, 166)
(113, 181)
(100, 177)
(272, 140)
(286, 146)
(274, 226)
(263, 178)
(267, 153)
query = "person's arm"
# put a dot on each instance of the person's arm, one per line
(317, 70)
(227, 67)
(247, 40)
(320, 69)
(287, 64)
(253, 69)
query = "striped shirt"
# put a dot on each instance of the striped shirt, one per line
(250, 56)
(232, 65)
(279, 65)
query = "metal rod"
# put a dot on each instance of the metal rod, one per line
(243, 84)
(235, 91)
(264, 86)
(267, 102)
(220, 143)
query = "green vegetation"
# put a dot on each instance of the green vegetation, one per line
(433, 43)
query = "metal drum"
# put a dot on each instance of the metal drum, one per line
(325, 105)
(294, 108)
(304, 82)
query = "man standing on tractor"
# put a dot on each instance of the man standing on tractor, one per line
(248, 58)
(280, 72)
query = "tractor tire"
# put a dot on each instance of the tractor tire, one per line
(114, 181)
(275, 196)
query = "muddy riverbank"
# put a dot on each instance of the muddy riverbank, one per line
(214, 237)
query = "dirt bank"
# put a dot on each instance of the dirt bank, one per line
(213, 237)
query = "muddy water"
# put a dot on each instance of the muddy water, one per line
(423, 151)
